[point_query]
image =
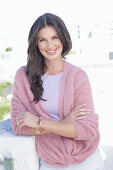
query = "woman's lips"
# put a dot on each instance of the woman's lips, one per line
(51, 52)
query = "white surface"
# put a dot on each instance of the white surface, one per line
(21, 149)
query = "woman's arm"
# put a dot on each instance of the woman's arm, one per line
(60, 128)
(18, 105)
(65, 127)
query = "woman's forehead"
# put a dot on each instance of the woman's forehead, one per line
(47, 30)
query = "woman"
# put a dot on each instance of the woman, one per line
(52, 100)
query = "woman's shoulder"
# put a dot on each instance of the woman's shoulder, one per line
(74, 68)
(78, 73)
(21, 69)
(20, 72)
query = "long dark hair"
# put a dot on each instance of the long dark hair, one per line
(35, 61)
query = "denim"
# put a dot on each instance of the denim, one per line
(5, 126)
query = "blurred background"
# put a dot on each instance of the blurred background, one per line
(90, 24)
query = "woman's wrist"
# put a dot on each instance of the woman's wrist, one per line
(66, 129)
(42, 127)
(33, 131)
(38, 126)
(45, 125)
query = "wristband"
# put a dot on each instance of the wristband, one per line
(38, 124)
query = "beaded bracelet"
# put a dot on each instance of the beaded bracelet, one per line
(38, 124)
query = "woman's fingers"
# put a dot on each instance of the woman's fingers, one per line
(82, 113)
(28, 119)
(80, 117)
(19, 121)
(80, 110)
(21, 125)
(80, 106)
(21, 115)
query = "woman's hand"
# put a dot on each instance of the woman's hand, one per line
(78, 113)
(26, 119)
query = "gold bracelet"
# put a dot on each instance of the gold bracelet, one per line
(39, 124)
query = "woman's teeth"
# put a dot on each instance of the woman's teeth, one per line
(51, 51)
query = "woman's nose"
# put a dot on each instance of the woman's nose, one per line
(49, 43)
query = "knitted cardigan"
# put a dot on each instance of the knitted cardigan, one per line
(57, 150)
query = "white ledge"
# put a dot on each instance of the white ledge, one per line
(21, 148)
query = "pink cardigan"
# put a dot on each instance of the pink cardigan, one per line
(56, 150)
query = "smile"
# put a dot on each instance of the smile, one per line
(51, 52)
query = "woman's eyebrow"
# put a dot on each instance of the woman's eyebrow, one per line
(40, 37)
(52, 36)
(55, 35)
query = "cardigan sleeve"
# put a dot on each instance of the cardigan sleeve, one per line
(19, 103)
(87, 128)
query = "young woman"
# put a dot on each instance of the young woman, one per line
(52, 100)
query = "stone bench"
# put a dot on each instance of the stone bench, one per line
(21, 149)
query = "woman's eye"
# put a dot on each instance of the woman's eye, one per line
(41, 40)
(55, 37)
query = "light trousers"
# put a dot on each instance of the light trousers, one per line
(94, 162)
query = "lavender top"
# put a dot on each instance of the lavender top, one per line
(51, 84)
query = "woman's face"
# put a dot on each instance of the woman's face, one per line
(49, 43)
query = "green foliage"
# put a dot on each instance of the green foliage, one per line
(8, 49)
(4, 110)
(4, 101)
(3, 85)
(72, 52)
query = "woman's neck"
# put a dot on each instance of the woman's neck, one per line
(54, 67)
